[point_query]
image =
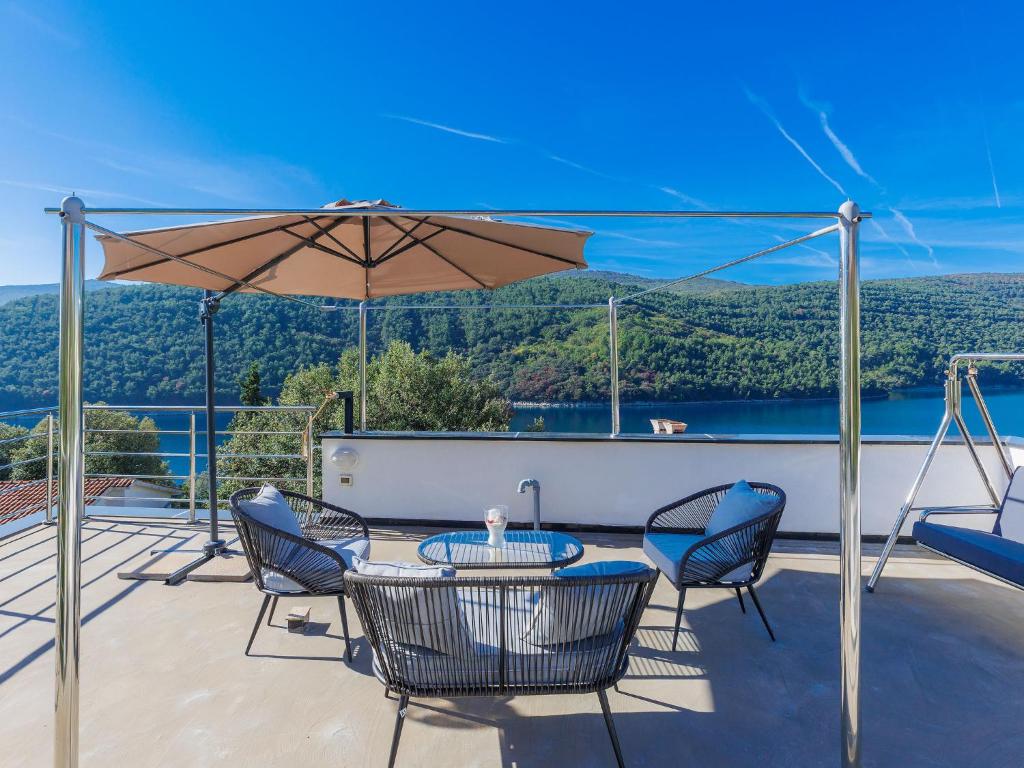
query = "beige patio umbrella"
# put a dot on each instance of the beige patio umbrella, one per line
(354, 257)
(351, 257)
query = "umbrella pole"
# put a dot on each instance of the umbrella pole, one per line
(207, 309)
(215, 546)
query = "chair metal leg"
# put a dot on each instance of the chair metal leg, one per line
(603, 696)
(760, 610)
(256, 626)
(739, 596)
(403, 708)
(679, 616)
(344, 628)
(273, 607)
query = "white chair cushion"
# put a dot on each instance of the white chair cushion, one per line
(271, 508)
(350, 550)
(430, 618)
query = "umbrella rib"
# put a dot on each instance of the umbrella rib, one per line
(282, 256)
(404, 248)
(338, 242)
(388, 253)
(313, 244)
(194, 251)
(171, 257)
(510, 245)
(445, 259)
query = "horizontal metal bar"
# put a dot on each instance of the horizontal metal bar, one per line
(408, 212)
(263, 479)
(136, 431)
(196, 408)
(245, 432)
(385, 307)
(221, 455)
(137, 453)
(136, 477)
(29, 412)
(13, 464)
(981, 357)
(23, 438)
(168, 500)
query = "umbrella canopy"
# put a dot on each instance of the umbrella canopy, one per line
(352, 257)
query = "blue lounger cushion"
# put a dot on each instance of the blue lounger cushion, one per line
(1010, 523)
(987, 551)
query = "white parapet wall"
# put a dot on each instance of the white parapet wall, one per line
(593, 480)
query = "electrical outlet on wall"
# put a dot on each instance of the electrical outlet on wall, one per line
(346, 481)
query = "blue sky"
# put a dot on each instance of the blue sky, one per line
(915, 110)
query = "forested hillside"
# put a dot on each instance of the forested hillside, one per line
(714, 340)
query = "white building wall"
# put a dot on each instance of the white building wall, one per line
(621, 481)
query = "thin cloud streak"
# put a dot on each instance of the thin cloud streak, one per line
(69, 190)
(841, 147)
(449, 129)
(688, 199)
(992, 171)
(908, 227)
(766, 110)
(42, 25)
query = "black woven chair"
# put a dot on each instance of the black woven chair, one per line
(501, 635)
(732, 559)
(314, 567)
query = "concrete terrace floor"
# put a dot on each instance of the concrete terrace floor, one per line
(164, 681)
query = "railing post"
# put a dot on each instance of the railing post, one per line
(71, 493)
(362, 366)
(613, 351)
(192, 467)
(849, 483)
(49, 469)
(309, 454)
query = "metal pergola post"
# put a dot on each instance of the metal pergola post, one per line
(849, 484)
(71, 481)
(613, 354)
(362, 366)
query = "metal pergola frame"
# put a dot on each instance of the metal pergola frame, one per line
(71, 469)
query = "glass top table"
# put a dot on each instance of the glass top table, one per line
(523, 549)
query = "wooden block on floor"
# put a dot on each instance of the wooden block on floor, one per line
(223, 568)
(298, 618)
(159, 567)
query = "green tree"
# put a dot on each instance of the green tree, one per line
(407, 391)
(9, 433)
(414, 391)
(249, 386)
(116, 443)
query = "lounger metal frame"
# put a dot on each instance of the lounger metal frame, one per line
(953, 413)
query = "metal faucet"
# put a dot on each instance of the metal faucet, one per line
(535, 484)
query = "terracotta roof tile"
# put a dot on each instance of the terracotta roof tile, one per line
(19, 498)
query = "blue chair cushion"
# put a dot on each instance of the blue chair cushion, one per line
(987, 551)
(666, 550)
(605, 568)
(271, 508)
(740, 504)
